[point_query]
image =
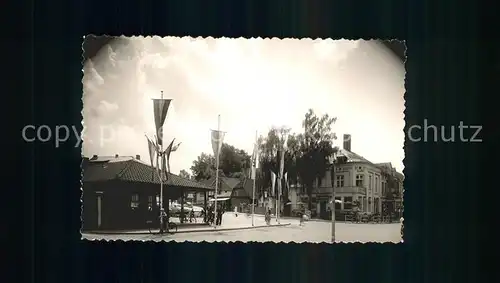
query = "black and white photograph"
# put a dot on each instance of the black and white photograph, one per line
(243, 140)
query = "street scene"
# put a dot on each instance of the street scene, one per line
(292, 231)
(224, 140)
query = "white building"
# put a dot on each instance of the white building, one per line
(356, 179)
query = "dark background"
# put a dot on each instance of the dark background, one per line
(446, 184)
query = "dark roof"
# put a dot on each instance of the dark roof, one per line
(132, 170)
(247, 185)
(387, 166)
(353, 157)
(227, 183)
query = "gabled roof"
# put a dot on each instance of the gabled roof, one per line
(132, 170)
(387, 166)
(227, 183)
(352, 157)
(247, 185)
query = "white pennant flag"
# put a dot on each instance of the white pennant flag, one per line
(255, 158)
(273, 182)
(217, 140)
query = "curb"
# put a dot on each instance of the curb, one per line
(232, 229)
(188, 231)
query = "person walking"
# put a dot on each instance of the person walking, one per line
(219, 216)
(191, 216)
(204, 214)
(268, 216)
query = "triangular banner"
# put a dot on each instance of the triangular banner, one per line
(273, 182)
(160, 108)
(152, 154)
(217, 140)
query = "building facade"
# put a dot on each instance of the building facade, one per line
(359, 184)
(123, 193)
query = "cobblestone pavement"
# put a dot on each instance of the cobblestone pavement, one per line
(311, 231)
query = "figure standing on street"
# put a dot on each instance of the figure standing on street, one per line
(204, 214)
(268, 217)
(219, 216)
(191, 216)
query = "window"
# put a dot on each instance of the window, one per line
(338, 205)
(150, 202)
(134, 203)
(340, 181)
(359, 180)
(158, 201)
(370, 181)
(376, 184)
(348, 203)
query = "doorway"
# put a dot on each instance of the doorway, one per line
(99, 211)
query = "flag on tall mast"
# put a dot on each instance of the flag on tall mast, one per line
(255, 164)
(166, 158)
(152, 154)
(273, 182)
(160, 109)
(217, 140)
(255, 157)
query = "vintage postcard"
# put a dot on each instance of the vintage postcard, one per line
(251, 140)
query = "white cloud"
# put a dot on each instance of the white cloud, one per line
(253, 84)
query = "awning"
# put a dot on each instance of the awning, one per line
(218, 199)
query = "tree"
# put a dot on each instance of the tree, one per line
(184, 174)
(203, 167)
(316, 150)
(233, 162)
(269, 159)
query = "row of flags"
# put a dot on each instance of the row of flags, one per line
(160, 159)
(155, 146)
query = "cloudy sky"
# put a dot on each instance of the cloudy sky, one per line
(246, 82)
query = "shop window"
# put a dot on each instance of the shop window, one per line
(134, 203)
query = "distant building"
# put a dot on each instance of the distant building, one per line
(234, 192)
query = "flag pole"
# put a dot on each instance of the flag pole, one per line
(162, 208)
(254, 177)
(217, 168)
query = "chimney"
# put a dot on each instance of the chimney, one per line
(94, 157)
(116, 155)
(138, 157)
(347, 142)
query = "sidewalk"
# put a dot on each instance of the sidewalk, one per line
(230, 221)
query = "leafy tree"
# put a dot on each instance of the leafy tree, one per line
(233, 162)
(316, 150)
(269, 159)
(184, 174)
(203, 167)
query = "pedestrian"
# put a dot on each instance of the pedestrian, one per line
(191, 216)
(204, 215)
(301, 218)
(219, 216)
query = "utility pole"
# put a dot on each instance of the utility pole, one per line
(332, 175)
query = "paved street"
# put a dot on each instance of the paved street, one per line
(312, 232)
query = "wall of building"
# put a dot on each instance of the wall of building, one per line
(117, 212)
(370, 197)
